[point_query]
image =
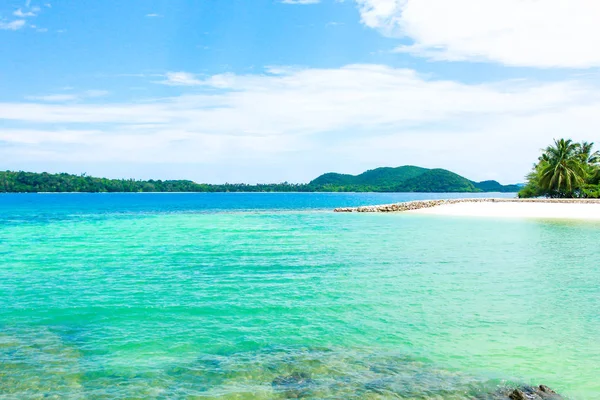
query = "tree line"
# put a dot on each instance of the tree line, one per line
(30, 182)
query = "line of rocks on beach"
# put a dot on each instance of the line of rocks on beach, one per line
(419, 204)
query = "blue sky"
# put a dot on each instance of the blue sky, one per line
(269, 90)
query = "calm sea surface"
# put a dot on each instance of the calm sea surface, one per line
(242, 296)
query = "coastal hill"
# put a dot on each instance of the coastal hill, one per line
(406, 179)
(400, 179)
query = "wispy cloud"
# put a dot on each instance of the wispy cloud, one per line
(220, 81)
(68, 97)
(23, 13)
(181, 79)
(32, 12)
(153, 15)
(54, 97)
(19, 13)
(13, 25)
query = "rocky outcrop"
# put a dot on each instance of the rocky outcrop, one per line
(416, 205)
(541, 392)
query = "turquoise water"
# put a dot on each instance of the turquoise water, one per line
(152, 296)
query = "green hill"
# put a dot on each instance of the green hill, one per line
(380, 179)
(405, 179)
(437, 181)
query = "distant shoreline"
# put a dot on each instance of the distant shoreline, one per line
(406, 179)
(579, 209)
(272, 192)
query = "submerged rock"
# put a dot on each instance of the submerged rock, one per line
(541, 392)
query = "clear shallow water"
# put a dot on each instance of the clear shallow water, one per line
(271, 296)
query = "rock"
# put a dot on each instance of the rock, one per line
(517, 395)
(541, 392)
(546, 389)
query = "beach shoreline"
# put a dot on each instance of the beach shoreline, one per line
(574, 209)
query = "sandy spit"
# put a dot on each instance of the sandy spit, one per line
(516, 209)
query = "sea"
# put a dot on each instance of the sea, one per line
(275, 296)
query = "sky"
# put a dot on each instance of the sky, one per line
(263, 91)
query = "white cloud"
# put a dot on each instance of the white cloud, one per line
(54, 97)
(22, 14)
(549, 33)
(181, 79)
(13, 25)
(300, 1)
(315, 120)
(66, 97)
(153, 15)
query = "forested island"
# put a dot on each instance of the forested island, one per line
(400, 179)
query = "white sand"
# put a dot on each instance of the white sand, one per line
(576, 211)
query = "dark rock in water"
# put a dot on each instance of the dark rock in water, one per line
(517, 394)
(541, 392)
(295, 385)
(546, 389)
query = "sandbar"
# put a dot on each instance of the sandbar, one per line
(517, 209)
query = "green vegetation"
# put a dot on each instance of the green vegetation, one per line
(29, 182)
(565, 170)
(405, 179)
(493, 186)
(376, 180)
(401, 179)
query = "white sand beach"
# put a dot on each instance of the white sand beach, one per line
(516, 209)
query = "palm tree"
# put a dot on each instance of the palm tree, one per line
(561, 168)
(585, 152)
